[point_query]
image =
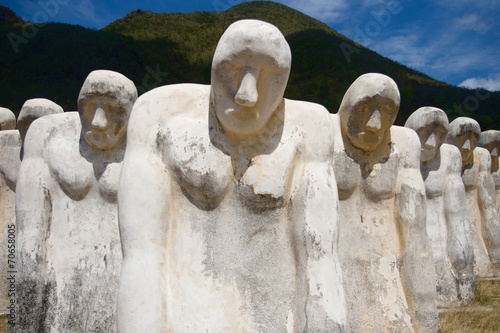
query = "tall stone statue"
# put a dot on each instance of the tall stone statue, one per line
(68, 237)
(228, 201)
(7, 198)
(10, 162)
(482, 213)
(448, 231)
(491, 141)
(383, 246)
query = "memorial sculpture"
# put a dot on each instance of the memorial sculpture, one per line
(228, 201)
(7, 188)
(491, 141)
(10, 162)
(384, 251)
(482, 213)
(448, 231)
(68, 239)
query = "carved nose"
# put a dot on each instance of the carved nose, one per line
(466, 146)
(99, 121)
(247, 94)
(374, 123)
(431, 141)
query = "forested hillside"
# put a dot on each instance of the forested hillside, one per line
(153, 49)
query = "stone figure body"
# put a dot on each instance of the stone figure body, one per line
(448, 231)
(482, 214)
(8, 174)
(10, 162)
(383, 246)
(68, 239)
(491, 141)
(228, 202)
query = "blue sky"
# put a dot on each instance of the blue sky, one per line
(455, 41)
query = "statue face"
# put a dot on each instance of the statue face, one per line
(368, 121)
(494, 149)
(104, 121)
(467, 141)
(250, 71)
(247, 91)
(431, 137)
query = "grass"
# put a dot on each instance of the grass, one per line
(3, 324)
(482, 315)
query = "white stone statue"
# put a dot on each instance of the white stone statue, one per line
(68, 237)
(482, 213)
(10, 144)
(7, 198)
(10, 162)
(448, 231)
(491, 141)
(384, 251)
(228, 202)
(7, 119)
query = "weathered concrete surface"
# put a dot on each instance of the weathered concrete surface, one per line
(7, 119)
(490, 140)
(482, 214)
(10, 144)
(384, 250)
(228, 202)
(33, 109)
(66, 211)
(10, 162)
(448, 231)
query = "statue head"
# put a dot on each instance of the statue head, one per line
(7, 119)
(105, 101)
(431, 125)
(250, 71)
(33, 109)
(491, 140)
(368, 110)
(464, 134)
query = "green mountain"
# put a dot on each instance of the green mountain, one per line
(153, 49)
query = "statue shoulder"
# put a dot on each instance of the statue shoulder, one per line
(453, 158)
(482, 155)
(313, 124)
(162, 105)
(407, 144)
(65, 125)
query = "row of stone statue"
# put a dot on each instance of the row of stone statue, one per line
(233, 209)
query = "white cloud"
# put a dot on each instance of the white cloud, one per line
(491, 83)
(472, 22)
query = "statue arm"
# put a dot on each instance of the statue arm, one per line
(33, 218)
(315, 221)
(143, 212)
(488, 205)
(417, 264)
(459, 244)
(10, 156)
